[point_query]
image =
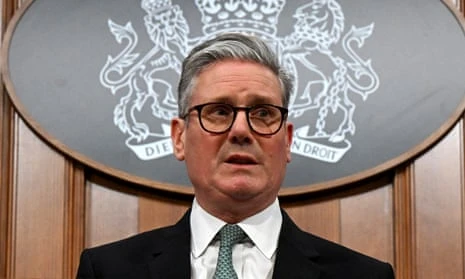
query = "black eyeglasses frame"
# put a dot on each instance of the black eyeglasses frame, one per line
(198, 108)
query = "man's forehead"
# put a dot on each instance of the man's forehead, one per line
(247, 97)
(227, 64)
(226, 81)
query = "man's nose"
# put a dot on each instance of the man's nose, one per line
(240, 132)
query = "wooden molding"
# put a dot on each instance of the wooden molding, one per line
(6, 177)
(74, 217)
(8, 8)
(462, 173)
(404, 222)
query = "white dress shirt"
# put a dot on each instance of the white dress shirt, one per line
(251, 259)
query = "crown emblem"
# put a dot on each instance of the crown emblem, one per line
(155, 6)
(256, 17)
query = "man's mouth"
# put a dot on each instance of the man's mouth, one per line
(241, 160)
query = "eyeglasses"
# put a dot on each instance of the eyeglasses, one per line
(218, 118)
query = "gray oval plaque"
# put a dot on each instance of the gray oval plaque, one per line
(376, 80)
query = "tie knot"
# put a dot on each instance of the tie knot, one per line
(231, 234)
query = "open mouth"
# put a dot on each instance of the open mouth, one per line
(241, 160)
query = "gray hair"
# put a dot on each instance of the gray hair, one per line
(229, 46)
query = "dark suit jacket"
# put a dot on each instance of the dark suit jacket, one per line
(165, 253)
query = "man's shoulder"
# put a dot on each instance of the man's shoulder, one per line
(131, 257)
(139, 247)
(334, 259)
(328, 249)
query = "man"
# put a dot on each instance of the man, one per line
(233, 134)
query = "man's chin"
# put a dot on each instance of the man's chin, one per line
(242, 189)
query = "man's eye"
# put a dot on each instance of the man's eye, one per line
(262, 112)
(219, 110)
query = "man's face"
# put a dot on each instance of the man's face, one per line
(239, 167)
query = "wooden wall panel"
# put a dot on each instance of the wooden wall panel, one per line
(367, 223)
(158, 211)
(111, 214)
(439, 209)
(117, 211)
(319, 217)
(360, 217)
(38, 212)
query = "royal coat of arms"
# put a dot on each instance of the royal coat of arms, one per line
(320, 52)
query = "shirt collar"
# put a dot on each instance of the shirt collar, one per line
(262, 228)
(204, 227)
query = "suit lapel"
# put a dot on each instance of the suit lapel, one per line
(295, 256)
(172, 258)
(294, 259)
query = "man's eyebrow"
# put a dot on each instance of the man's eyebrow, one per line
(260, 100)
(222, 99)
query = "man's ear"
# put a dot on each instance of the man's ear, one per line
(290, 133)
(177, 137)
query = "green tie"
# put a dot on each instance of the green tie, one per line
(229, 235)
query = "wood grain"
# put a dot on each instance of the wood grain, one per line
(367, 221)
(159, 211)
(404, 222)
(318, 217)
(439, 210)
(111, 215)
(39, 199)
